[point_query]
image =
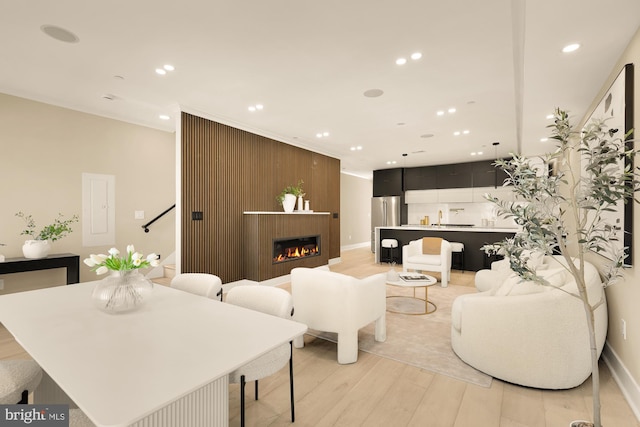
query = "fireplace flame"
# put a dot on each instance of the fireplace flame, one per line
(296, 252)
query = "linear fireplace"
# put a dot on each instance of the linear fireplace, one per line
(293, 248)
(264, 232)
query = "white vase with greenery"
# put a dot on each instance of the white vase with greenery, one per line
(40, 245)
(566, 213)
(287, 197)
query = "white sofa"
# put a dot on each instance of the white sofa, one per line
(414, 259)
(334, 302)
(529, 334)
(500, 270)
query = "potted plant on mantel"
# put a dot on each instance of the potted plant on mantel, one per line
(565, 213)
(40, 245)
(287, 197)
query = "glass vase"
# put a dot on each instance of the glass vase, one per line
(121, 291)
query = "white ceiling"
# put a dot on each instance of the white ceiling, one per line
(499, 62)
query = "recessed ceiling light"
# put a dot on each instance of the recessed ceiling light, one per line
(456, 133)
(544, 139)
(415, 56)
(473, 154)
(550, 116)
(325, 133)
(466, 132)
(426, 135)
(164, 117)
(256, 107)
(373, 93)
(353, 148)
(59, 34)
(259, 106)
(401, 61)
(251, 108)
(359, 147)
(391, 162)
(440, 113)
(161, 71)
(169, 67)
(451, 110)
(480, 153)
(571, 48)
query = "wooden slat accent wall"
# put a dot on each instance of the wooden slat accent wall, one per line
(226, 171)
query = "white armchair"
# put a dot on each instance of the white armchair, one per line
(413, 258)
(334, 302)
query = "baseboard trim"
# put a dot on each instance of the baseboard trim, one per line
(355, 246)
(623, 378)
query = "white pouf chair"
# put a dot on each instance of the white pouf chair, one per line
(438, 260)
(17, 379)
(530, 334)
(334, 302)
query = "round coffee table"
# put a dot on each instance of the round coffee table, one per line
(414, 280)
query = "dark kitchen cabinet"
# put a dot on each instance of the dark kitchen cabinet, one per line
(484, 174)
(387, 182)
(420, 178)
(454, 176)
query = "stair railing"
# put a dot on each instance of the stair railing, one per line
(146, 226)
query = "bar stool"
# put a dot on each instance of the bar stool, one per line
(457, 255)
(389, 250)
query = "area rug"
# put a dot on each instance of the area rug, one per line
(423, 341)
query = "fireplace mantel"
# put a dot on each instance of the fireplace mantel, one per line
(261, 228)
(286, 213)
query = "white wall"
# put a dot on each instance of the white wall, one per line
(623, 297)
(43, 152)
(355, 210)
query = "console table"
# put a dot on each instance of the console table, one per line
(69, 261)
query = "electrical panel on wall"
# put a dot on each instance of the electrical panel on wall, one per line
(98, 209)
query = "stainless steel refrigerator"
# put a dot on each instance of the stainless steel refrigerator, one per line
(385, 212)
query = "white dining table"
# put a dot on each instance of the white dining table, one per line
(166, 364)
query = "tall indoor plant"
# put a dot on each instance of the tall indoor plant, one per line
(564, 213)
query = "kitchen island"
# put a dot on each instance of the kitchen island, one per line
(473, 238)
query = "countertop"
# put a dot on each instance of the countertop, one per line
(474, 229)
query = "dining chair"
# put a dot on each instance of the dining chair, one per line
(203, 284)
(77, 418)
(269, 300)
(17, 379)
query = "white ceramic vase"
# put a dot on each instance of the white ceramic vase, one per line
(300, 203)
(34, 249)
(289, 202)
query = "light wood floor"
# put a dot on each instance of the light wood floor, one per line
(380, 392)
